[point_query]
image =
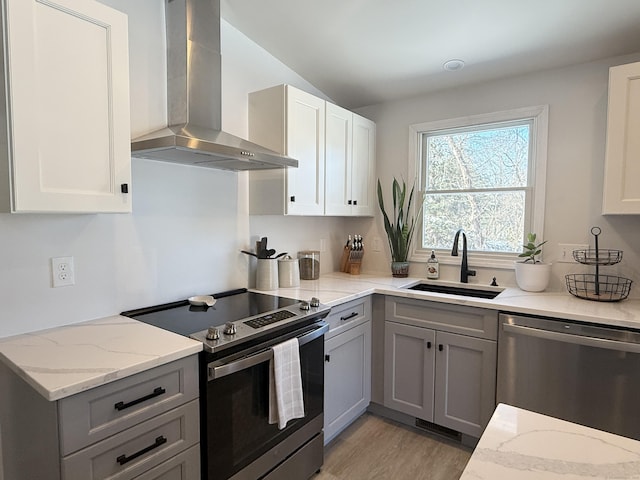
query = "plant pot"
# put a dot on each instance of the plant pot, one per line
(400, 269)
(532, 277)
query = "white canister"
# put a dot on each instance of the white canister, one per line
(288, 272)
(267, 274)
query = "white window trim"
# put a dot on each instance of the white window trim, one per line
(539, 130)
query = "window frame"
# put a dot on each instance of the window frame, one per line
(539, 117)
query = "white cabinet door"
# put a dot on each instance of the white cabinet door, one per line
(347, 389)
(465, 386)
(363, 168)
(68, 107)
(338, 160)
(409, 369)
(350, 163)
(622, 161)
(305, 142)
(291, 122)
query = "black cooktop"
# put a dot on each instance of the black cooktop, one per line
(186, 319)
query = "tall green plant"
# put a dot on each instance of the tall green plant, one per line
(400, 231)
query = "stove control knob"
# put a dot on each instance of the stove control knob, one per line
(314, 302)
(304, 305)
(213, 334)
(229, 328)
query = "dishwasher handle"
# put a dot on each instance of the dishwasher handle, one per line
(572, 338)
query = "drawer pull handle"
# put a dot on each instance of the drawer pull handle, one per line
(157, 392)
(349, 317)
(122, 459)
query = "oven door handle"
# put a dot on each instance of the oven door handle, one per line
(249, 361)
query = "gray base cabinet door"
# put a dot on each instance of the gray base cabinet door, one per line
(465, 382)
(440, 377)
(409, 369)
(347, 378)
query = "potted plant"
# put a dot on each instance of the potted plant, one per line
(532, 274)
(400, 228)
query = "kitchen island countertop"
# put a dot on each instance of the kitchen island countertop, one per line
(336, 288)
(521, 445)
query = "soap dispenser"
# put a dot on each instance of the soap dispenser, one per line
(433, 267)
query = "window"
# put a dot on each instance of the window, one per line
(484, 174)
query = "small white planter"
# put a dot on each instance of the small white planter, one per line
(532, 277)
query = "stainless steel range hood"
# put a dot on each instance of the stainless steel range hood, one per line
(194, 98)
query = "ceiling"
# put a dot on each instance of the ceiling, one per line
(364, 52)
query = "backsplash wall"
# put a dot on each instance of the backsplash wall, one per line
(188, 223)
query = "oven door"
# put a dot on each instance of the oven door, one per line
(240, 441)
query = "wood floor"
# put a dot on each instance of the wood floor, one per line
(377, 448)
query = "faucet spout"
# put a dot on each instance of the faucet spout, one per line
(465, 273)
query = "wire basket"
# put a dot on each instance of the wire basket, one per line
(592, 256)
(600, 288)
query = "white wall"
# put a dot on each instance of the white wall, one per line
(188, 223)
(577, 99)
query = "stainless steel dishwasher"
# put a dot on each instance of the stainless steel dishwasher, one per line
(578, 372)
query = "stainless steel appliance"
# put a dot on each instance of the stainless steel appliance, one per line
(194, 135)
(238, 331)
(579, 372)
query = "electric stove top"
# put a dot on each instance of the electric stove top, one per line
(237, 317)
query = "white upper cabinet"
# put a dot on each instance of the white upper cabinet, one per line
(64, 130)
(349, 162)
(335, 149)
(291, 122)
(622, 162)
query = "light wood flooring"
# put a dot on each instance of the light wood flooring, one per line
(377, 448)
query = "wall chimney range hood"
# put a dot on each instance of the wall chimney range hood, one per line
(194, 98)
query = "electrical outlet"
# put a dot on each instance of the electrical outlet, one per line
(375, 245)
(62, 273)
(566, 251)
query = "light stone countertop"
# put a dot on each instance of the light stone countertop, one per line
(522, 445)
(62, 361)
(336, 288)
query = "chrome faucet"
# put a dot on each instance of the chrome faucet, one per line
(465, 273)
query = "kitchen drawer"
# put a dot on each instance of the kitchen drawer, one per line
(96, 414)
(184, 466)
(138, 449)
(472, 321)
(348, 315)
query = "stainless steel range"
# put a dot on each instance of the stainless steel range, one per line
(238, 331)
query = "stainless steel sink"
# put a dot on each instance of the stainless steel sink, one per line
(455, 290)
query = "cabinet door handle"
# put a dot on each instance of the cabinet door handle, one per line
(349, 317)
(327, 358)
(440, 347)
(428, 344)
(122, 459)
(355, 202)
(292, 198)
(349, 202)
(156, 392)
(124, 187)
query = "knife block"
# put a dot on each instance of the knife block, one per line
(351, 261)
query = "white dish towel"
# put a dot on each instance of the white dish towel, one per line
(285, 384)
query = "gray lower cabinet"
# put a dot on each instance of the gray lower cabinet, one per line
(347, 365)
(440, 363)
(145, 426)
